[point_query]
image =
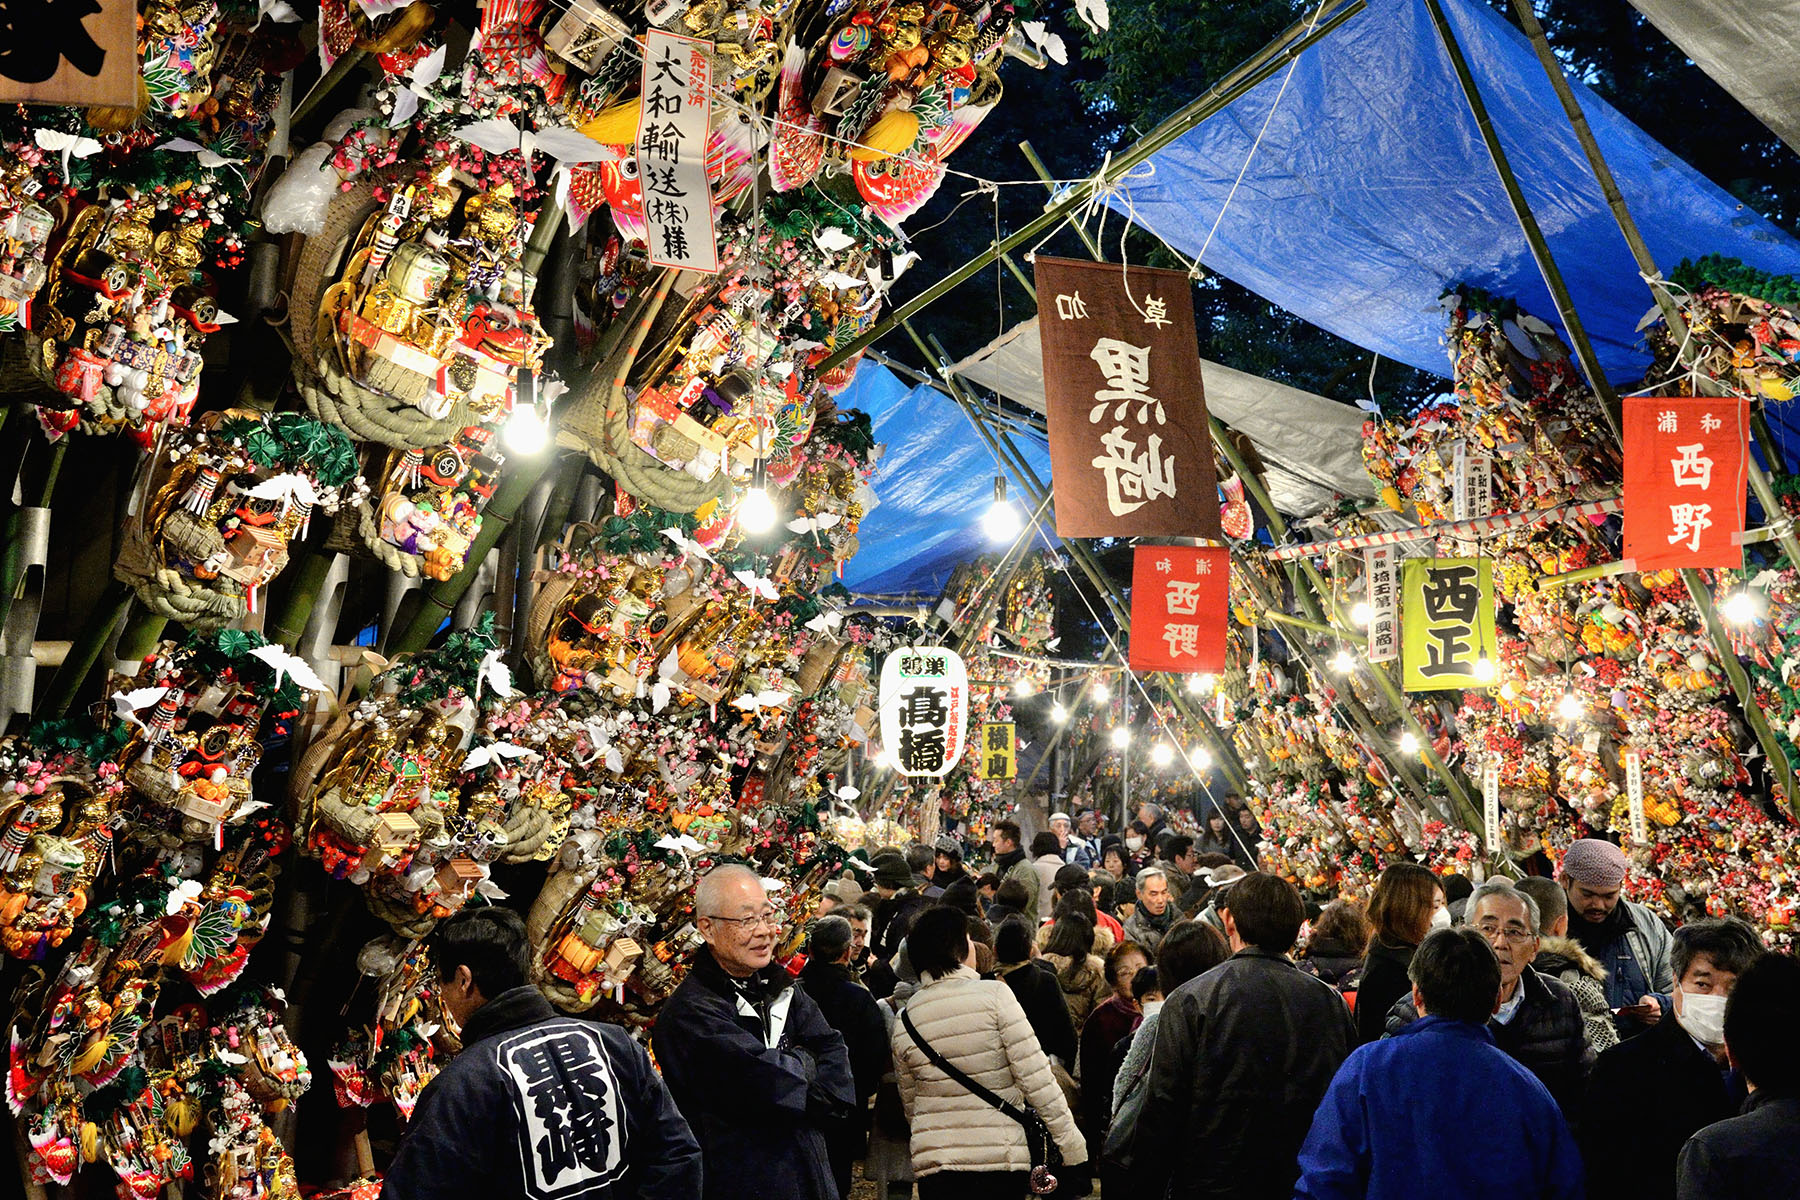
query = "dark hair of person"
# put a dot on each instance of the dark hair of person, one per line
(1045, 843)
(1212, 859)
(1164, 840)
(1188, 950)
(1143, 983)
(1340, 923)
(857, 912)
(1139, 828)
(1400, 909)
(1079, 902)
(830, 937)
(1457, 975)
(1456, 887)
(491, 942)
(938, 941)
(980, 932)
(1731, 944)
(1118, 954)
(1268, 911)
(920, 858)
(1119, 853)
(1012, 941)
(1073, 935)
(1760, 1019)
(1070, 878)
(1008, 830)
(1552, 901)
(988, 879)
(961, 895)
(1013, 894)
(1179, 845)
(1216, 815)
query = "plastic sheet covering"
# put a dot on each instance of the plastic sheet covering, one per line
(1372, 191)
(1311, 446)
(935, 481)
(1747, 46)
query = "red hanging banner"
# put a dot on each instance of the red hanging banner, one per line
(1685, 462)
(1179, 599)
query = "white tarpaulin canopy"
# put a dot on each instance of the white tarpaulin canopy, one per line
(1311, 446)
(1746, 46)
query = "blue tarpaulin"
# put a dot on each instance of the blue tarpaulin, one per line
(1372, 192)
(935, 482)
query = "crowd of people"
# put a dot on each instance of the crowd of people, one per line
(1141, 1017)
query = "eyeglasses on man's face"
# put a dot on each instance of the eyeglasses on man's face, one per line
(1512, 933)
(769, 919)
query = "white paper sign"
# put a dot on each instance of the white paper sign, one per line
(1490, 805)
(673, 128)
(924, 709)
(1473, 492)
(1634, 795)
(1381, 570)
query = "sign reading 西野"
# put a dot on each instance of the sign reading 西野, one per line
(1179, 598)
(1447, 619)
(1130, 452)
(924, 709)
(998, 752)
(1685, 464)
(674, 126)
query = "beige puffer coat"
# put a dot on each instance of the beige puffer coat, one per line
(978, 1025)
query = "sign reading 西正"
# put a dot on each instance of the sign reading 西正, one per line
(924, 709)
(998, 752)
(1179, 598)
(1381, 571)
(1130, 452)
(674, 125)
(1685, 464)
(69, 52)
(1447, 619)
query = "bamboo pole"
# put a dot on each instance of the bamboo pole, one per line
(85, 651)
(1241, 80)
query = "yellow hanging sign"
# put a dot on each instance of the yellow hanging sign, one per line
(999, 751)
(1447, 622)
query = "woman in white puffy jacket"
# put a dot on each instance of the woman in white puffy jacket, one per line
(961, 1145)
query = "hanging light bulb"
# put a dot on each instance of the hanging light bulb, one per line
(1025, 687)
(1161, 755)
(1409, 742)
(1102, 693)
(1485, 670)
(1208, 682)
(1201, 759)
(1342, 662)
(1001, 521)
(526, 431)
(1058, 713)
(755, 511)
(1506, 690)
(1121, 736)
(1360, 612)
(1742, 607)
(1570, 707)
(1196, 684)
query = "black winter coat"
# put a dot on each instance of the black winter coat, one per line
(1746, 1158)
(893, 918)
(759, 1074)
(1041, 996)
(848, 1008)
(1384, 981)
(1243, 1056)
(1545, 1037)
(540, 1105)
(1646, 1097)
(1330, 961)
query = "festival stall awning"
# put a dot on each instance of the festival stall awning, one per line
(1371, 192)
(935, 481)
(1745, 45)
(1312, 446)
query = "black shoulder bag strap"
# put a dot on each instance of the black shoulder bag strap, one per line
(1046, 1155)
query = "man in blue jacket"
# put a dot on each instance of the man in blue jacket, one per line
(537, 1106)
(1438, 1110)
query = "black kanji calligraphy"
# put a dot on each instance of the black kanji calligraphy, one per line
(661, 104)
(1451, 594)
(36, 35)
(664, 68)
(674, 242)
(1446, 650)
(924, 706)
(921, 751)
(996, 737)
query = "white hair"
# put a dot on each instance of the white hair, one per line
(1506, 891)
(1147, 874)
(717, 882)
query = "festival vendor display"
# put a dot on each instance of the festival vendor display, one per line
(117, 223)
(216, 513)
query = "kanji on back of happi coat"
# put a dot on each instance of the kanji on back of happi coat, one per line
(1130, 453)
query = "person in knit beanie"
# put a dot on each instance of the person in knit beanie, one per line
(1627, 939)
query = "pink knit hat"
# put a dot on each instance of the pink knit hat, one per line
(1594, 863)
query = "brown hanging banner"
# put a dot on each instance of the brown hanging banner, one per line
(1130, 454)
(73, 52)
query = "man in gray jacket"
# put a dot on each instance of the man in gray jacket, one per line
(1628, 939)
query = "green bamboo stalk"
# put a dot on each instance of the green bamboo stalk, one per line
(287, 622)
(85, 652)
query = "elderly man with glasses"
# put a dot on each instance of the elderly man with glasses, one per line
(1537, 1019)
(751, 1061)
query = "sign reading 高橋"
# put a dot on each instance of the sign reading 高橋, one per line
(1685, 462)
(1447, 615)
(1179, 599)
(1130, 453)
(924, 709)
(673, 127)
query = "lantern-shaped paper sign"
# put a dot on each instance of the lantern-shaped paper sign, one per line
(924, 709)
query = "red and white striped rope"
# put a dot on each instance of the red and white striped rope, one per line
(1476, 527)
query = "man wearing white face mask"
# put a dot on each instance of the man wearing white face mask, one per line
(1649, 1094)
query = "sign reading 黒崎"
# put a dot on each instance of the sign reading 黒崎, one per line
(1685, 462)
(1179, 598)
(998, 752)
(1130, 452)
(1447, 614)
(674, 125)
(924, 709)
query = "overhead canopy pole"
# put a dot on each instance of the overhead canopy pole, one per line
(1220, 96)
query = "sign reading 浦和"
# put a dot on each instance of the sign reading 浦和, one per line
(1179, 598)
(924, 709)
(70, 52)
(1130, 452)
(1685, 464)
(674, 125)
(1381, 572)
(1447, 614)
(998, 752)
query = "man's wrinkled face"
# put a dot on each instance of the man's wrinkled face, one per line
(1061, 830)
(1084, 824)
(859, 938)
(1506, 925)
(1592, 904)
(1154, 895)
(742, 929)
